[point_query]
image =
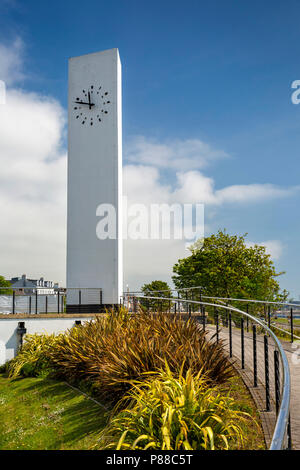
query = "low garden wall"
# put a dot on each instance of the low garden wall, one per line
(10, 338)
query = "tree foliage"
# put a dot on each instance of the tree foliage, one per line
(156, 289)
(224, 266)
(5, 283)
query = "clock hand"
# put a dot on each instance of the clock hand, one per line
(89, 100)
(83, 102)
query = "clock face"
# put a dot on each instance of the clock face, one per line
(91, 105)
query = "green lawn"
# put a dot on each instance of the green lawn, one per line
(284, 321)
(43, 414)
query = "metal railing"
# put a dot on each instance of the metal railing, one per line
(251, 336)
(289, 311)
(37, 300)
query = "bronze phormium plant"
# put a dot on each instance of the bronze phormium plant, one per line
(116, 349)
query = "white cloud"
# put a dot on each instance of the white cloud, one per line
(251, 193)
(145, 260)
(273, 247)
(32, 179)
(176, 154)
(143, 184)
(11, 62)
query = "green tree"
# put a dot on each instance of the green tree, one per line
(5, 283)
(156, 289)
(224, 266)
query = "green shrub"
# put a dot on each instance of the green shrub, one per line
(33, 358)
(175, 413)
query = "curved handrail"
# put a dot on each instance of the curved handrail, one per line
(284, 410)
(267, 302)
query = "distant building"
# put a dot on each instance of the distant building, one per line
(28, 286)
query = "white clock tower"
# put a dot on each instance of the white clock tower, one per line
(94, 262)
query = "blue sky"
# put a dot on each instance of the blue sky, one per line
(217, 72)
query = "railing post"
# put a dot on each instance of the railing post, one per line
(189, 310)
(230, 334)
(217, 324)
(58, 301)
(36, 301)
(175, 306)
(79, 300)
(242, 344)
(13, 302)
(277, 380)
(203, 317)
(46, 304)
(254, 357)
(289, 434)
(269, 316)
(29, 307)
(247, 320)
(292, 326)
(267, 381)
(193, 299)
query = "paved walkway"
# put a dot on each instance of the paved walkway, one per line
(268, 418)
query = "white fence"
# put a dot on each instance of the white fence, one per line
(27, 303)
